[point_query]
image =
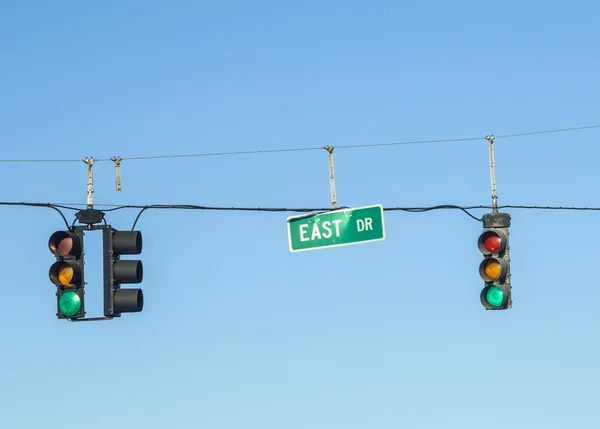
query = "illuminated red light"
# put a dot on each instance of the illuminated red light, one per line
(492, 242)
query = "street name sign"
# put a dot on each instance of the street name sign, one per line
(336, 228)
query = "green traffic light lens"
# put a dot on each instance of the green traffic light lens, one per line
(494, 296)
(69, 303)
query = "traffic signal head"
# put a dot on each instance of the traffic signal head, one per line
(67, 272)
(117, 272)
(495, 267)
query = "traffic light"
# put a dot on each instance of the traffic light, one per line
(67, 272)
(495, 267)
(119, 300)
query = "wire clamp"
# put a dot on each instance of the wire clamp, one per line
(329, 150)
(117, 161)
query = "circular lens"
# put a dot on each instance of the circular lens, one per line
(494, 296)
(65, 275)
(492, 242)
(69, 303)
(65, 246)
(493, 270)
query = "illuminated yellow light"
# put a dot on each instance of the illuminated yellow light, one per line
(65, 275)
(493, 270)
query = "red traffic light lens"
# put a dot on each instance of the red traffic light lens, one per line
(64, 243)
(492, 242)
(65, 246)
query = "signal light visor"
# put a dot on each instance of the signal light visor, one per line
(65, 274)
(128, 271)
(493, 269)
(127, 242)
(128, 300)
(491, 242)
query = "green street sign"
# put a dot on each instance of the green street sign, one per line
(336, 228)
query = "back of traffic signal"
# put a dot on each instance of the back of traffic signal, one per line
(119, 300)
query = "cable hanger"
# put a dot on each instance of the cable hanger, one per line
(329, 150)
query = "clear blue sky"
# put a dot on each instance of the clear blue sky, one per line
(237, 332)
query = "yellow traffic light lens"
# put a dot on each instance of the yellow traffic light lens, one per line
(65, 275)
(493, 270)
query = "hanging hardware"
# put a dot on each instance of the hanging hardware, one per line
(117, 161)
(90, 181)
(329, 150)
(490, 139)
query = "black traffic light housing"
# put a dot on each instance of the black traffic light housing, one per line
(67, 273)
(119, 300)
(493, 243)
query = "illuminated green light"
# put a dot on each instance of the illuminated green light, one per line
(69, 303)
(494, 296)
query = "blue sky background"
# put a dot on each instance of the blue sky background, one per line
(237, 332)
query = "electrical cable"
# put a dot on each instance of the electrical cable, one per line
(308, 210)
(561, 130)
(265, 151)
(440, 207)
(46, 205)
